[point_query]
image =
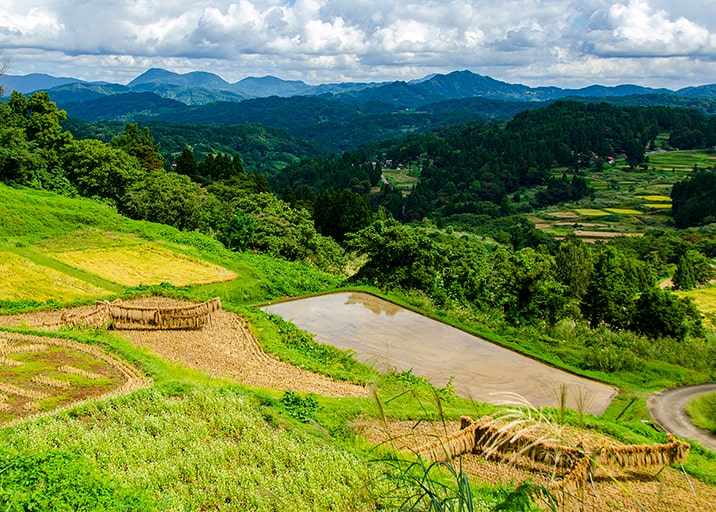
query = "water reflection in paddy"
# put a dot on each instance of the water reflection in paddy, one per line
(391, 337)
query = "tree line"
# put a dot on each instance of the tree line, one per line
(214, 195)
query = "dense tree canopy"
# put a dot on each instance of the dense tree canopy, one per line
(693, 200)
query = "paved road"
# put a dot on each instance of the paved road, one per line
(668, 409)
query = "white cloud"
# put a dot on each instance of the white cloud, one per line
(638, 29)
(330, 40)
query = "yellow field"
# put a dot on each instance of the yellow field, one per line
(704, 298)
(144, 264)
(659, 206)
(22, 280)
(623, 211)
(655, 198)
(590, 212)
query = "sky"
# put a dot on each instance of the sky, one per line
(566, 43)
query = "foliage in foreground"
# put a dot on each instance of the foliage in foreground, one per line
(191, 448)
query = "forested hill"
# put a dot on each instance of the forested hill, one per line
(478, 170)
(330, 122)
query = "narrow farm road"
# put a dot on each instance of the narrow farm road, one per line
(668, 408)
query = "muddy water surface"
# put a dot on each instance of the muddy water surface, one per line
(391, 337)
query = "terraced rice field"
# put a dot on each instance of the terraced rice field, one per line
(623, 211)
(42, 375)
(23, 279)
(144, 264)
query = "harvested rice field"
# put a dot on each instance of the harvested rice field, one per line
(23, 279)
(42, 375)
(144, 264)
(226, 349)
(649, 488)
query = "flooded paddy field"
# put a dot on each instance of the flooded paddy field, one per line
(393, 338)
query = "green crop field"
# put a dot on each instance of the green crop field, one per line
(682, 160)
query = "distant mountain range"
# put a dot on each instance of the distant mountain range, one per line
(199, 88)
(336, 117)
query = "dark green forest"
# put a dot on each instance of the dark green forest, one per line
(336, 213)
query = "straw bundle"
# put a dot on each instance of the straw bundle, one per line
(95, 317)
(454, 445)
(25, 393)
(493, 440)
(579, 474)
(49, 381)
(640, 456)
(194, 316)
(79, 371)
(26, 348)
(12, 363)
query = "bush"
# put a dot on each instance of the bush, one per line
(58, 480)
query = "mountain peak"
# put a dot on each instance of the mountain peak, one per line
(193, 79)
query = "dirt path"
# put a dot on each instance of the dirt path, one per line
(668, 408)
(227, 350)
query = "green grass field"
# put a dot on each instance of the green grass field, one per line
(702, 411)
(682, 161)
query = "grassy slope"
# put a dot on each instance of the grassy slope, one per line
(171, 469)
(702, 411)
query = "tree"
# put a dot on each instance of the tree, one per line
(661, 313)
(19, 163)
(684, 276)
(284, 232)
(99, 170)
(338, 213)
(172, 199)
(186, 164)
(526, 288)
(615, 282)
(140, 144)
(693, 269)
(4, 66)
(574, 263)
(399, 256)
(634, 151)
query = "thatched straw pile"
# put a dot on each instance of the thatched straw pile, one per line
(121, 316)
(493, 439)
(95, 317)
(194, 316)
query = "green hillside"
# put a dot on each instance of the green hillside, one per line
(44, 234)
(192, 436)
